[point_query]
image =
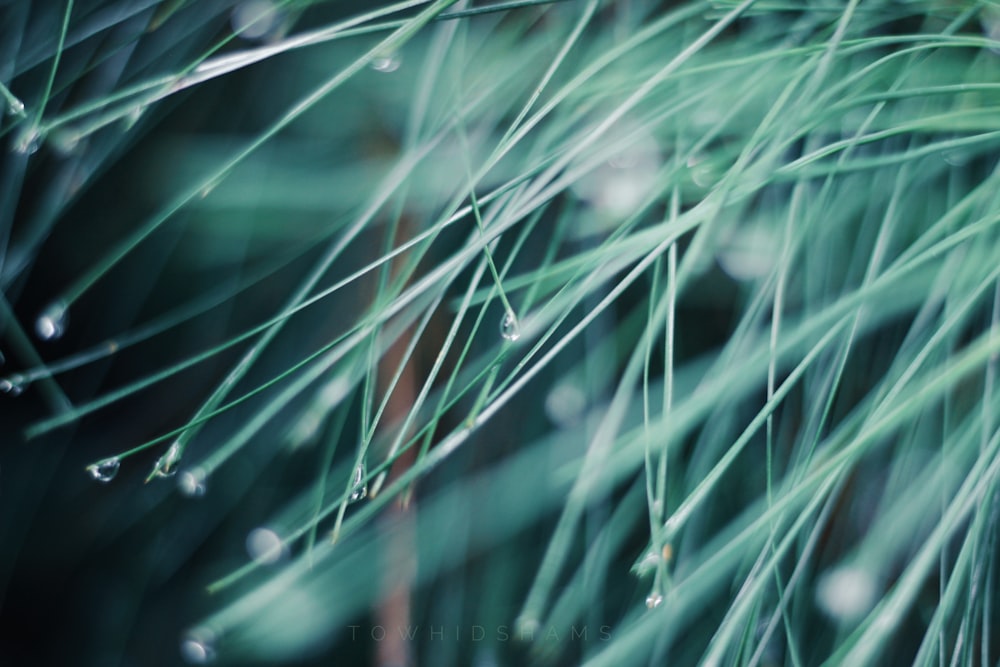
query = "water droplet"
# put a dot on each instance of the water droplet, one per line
(359, 486)
(654, 600)
(749, 253)
(386, 64)
(13, 385)
(265, 547)
(51, 324)
(846, 593)
(104, 471)
(65, 142)
(255, 19)
(198, 646)
(191, 483)
(702, 170)
(28, 140)
(565, 404)
(166, 465)
(618, 187)
(15, 107)
(509, 327)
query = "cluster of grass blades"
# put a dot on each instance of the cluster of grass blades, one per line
(533, 332)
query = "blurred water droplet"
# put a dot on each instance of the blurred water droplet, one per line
(166, 465)
(13, 385)
(28, 140)
(750, 252)
(846, 593)
(255, 19)
(619, 186)
(386, 64)
(703, 172)
(264, 546)
(654, 600)
(359, 486)
(104, 471)
(198, 646)
(510, 329)
(65, 142)
(15, 107)
(51, 324)
(191, 483)
(565, 404)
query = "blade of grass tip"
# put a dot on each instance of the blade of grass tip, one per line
(46, 425)
(30, 135)
(205, 68)
(15, 107)
(509, 326)
(332, 439)
(173, 318)
(392, 42)
(367, 436)
(22, 346)
(574, 36)
(868, 643)
(597, 449)
(432, 375)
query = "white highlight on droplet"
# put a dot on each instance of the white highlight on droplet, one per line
(359, 485)
(166, 465)
(51, 324)
(104, 471)
(510, 329)
(265, 547)
(198, 646)
(387, 64)
(846, 593)
(191, 483)
(12, 385)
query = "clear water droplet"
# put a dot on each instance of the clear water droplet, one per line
(265, 547)
(386, 64)
(654, 600)
(15, 107)
(13, 385)
(509, 327)
(359, 486)
(28, 141)
(51, 324)
(166, 465)
(104, 471)
(191, 483)
(198, 646)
